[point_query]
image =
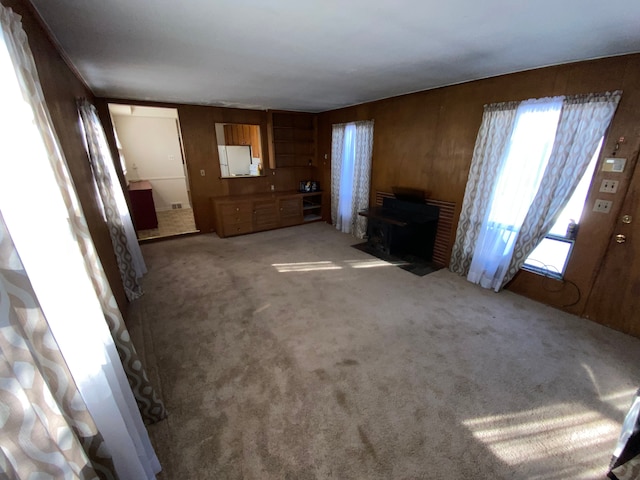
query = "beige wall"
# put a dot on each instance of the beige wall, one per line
(151, 150)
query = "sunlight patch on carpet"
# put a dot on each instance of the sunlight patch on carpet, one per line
(305, 266)
(621, 401)
(537, 436)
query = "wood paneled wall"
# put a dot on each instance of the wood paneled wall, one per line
(425, 140)
(422, 140)
(61, 87)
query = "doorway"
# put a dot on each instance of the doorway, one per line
(152, 159)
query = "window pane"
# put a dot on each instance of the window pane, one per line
(573, 210)
(551, 255)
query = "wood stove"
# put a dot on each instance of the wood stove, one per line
(403, 226)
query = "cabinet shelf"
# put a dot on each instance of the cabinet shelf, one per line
(312, 217)
(292, 139)
(312, 206)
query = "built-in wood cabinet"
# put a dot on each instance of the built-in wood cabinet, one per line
(255, 213)
(236, 217)
(292, 139)
(142, 205)
(265, 214)
(312, 206)
(290, 210)
(243, 134)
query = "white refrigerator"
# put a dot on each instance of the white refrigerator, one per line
(235, 160)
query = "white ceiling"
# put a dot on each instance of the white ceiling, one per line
(317, 55)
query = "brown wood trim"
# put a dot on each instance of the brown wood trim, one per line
(442, 246)
(51, 37)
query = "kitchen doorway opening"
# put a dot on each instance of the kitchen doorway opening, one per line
(152, 159)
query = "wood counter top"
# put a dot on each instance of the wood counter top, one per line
(263, 196)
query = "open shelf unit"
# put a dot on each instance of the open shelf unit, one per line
(312, 206)
(292, 139)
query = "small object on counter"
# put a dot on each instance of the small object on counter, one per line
(572, 230)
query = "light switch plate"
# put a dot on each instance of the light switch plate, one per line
(602, 206)
(614, 164)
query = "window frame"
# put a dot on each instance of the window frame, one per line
(547, 272)
(564, 238)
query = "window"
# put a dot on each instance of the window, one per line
(552, 255)
(518, 175)
(522, 176)
(351, 151)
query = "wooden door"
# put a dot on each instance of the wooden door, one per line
(265, 215)
(290, 211)
(615, 297)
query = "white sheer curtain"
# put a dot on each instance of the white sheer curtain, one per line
(345, 191)
(39, 212)
(517, 180)
(123, 234)
(351, 153)
(520, 186)
(488, 154)
(582, 124)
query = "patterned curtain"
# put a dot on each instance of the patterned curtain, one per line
(516, 184)
(123, 235)
(583, 122)
(30, 140)
(489, 154)
(337, 147)
(351, 154)
(46, 426)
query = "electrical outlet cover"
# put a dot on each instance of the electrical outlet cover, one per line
(602, 206)
(609, 186)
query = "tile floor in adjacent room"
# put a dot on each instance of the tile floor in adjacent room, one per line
(171, 222)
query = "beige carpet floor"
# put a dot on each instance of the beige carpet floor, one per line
(290, 355)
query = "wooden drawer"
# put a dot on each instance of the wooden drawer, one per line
(235, 218)
(238, 229)
(237, 224)
(236, 208)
